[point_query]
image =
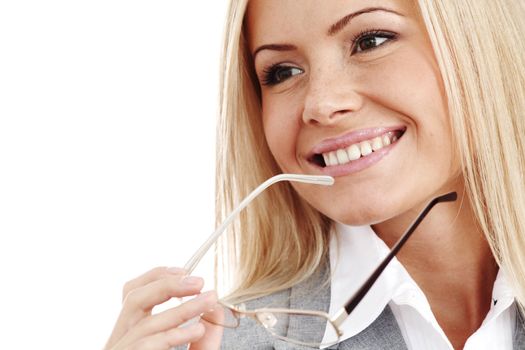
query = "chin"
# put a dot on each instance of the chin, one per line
(364, 213)
(359, 217)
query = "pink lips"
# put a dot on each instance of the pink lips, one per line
(351, 138)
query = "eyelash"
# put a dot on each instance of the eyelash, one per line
(370, 33)
(268, 78)
(269, 74)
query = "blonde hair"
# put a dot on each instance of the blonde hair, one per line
(481, 53)
(280, 240)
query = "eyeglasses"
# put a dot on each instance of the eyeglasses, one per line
(275, 320)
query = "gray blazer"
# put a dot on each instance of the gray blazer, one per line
(314, 294)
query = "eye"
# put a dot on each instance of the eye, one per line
(278, 73)
(370, 40)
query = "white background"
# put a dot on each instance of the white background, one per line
(107, 116)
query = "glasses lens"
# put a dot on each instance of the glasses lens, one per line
(303, 329)
(307, 329)
(222, 316)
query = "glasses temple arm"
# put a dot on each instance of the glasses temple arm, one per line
(361, 292)
(312, 179)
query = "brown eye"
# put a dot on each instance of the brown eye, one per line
(371, 40)
(279, 73)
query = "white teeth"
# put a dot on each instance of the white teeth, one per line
(332, 159)
(377, 144)
(342, 157)
(353, 152)
(365, 147)
(326, 158)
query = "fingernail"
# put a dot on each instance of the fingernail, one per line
(175, 270)
(191, 280)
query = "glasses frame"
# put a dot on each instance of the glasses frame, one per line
(310, 179)
(257, 314)
(238, 310)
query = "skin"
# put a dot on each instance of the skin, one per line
(331, 88)
(137, 329)
(328, 90)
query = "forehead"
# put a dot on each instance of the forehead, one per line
(282, 20)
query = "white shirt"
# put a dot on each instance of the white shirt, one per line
(355, 251)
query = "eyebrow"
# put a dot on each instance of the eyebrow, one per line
(333, 30)
(339, 25)
(275, 47)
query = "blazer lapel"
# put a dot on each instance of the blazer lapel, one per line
(314, 294)
(519, 330)
(383, 333)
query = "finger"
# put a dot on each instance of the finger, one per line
(174, 317)
(150, 276)
(140, 301)
(173, 337)
(213, 332)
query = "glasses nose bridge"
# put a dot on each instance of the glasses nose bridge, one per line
(330, 96)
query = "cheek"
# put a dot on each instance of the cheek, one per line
(411, 86)
(281, 128)
(429, 114)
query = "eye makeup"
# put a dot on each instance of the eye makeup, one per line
(361, 43)
(277, 73)
(366, 40)
(359, 38)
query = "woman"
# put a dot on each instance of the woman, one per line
(400, 102)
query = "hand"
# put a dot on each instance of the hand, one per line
(138, 329)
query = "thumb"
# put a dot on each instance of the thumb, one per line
(211, 340)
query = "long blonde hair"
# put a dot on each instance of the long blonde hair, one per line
(280, 240)
(481, 52)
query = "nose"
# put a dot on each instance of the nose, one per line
(330, 97)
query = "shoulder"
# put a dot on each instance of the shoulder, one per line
(311, 294)
(250, 334)
(383, 333)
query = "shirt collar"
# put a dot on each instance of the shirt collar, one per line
(502, 297)
(355, 251)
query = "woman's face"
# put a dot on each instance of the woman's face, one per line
(352, 89)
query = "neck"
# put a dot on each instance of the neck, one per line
(450, 259)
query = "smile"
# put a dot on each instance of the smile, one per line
(358, 150)
(355, 151)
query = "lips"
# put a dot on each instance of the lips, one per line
(353, 146)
